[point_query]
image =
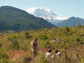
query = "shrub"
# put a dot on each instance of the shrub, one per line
(12, 38)
(26, 59)
(67, 29)
(79, 26)
(66, 57)
(43, 37)
(3, 55)
(42, 59)
(82, 60)
(5, 61)
(1, 45)
(46, 44)
(26, 33)
(15, 44)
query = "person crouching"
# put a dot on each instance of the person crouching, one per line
(48, 54)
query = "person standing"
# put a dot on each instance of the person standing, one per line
(34, 47)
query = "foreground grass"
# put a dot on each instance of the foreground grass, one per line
(15, 47)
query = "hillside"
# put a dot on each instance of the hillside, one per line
(69, 41)
(12, 18)
(73, 21)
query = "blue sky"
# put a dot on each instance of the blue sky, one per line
(63, 8)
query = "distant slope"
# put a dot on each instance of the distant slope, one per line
(12, 18)
(73, 21)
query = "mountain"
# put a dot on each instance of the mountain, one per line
(46, 14)
(12, 18)
(73, 21)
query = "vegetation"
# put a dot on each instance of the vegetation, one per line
(15, 47)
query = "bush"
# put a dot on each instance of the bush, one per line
(43, 37)
(82, 60)
(12, 38)
(67, 29)
(79, 26)
(26, 59)
(26, 33)
(5, 61)
(3, 55)
(42, 59)
(46, 44)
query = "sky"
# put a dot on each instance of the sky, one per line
(62, 8)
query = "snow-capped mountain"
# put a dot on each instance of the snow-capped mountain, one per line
(46, 14)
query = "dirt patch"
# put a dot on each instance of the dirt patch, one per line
(13, 55)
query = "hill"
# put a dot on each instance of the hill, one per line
(73, 21)
(12, 18)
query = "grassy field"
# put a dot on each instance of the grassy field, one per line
(15, 47)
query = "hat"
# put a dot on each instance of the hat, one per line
(56, 51)
(50, 50)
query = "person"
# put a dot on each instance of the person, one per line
(48, 54)
(34, 46)
(57, 53)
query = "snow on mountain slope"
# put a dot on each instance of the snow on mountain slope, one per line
(46, 14)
